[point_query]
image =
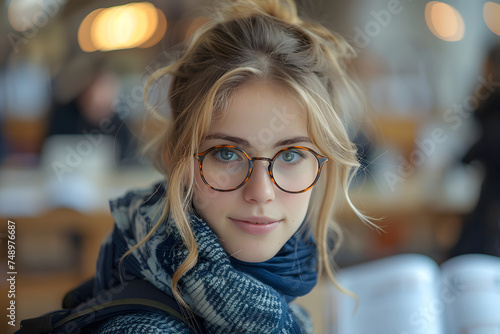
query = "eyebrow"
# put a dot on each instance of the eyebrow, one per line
(236, 140)
(293, 140)
(246, 143)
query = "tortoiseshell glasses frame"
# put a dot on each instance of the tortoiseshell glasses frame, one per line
(320, 160)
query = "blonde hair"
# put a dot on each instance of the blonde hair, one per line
(255, 40)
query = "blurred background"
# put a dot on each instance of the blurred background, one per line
(72, 75)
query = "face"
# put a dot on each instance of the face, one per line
(256, 220)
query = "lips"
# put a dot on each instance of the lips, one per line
(257, 220)
(257, 225)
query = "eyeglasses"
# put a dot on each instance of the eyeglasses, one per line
(294, 169)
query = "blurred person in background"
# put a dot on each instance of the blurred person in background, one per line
(481, 229)
(92, 112)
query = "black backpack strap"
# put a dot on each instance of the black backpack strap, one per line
(42, 324)
(137, 295)
(79, 295)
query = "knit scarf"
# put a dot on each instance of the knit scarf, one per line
(291, 272)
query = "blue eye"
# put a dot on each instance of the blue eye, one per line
(290, 156)
(226, 154)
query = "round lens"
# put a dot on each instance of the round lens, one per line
(225, 168)
(295, 169)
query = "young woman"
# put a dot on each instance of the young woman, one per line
(256, 157)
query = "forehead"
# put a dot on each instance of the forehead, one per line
(263, 113)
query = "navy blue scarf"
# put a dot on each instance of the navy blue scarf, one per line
(292, 271)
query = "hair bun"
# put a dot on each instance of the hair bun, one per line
(285, 10)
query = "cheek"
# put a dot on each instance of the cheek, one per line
(202, 195)
(206, 201)
(297, 204)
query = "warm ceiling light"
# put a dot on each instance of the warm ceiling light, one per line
(122, 27)
(160, 31)
(84, 38)
(444, 21)
(491, 14)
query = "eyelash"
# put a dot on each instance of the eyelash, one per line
(216, 151)
(228, 149)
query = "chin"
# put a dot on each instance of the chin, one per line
(253, 256)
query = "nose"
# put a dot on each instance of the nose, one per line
(259, 187)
